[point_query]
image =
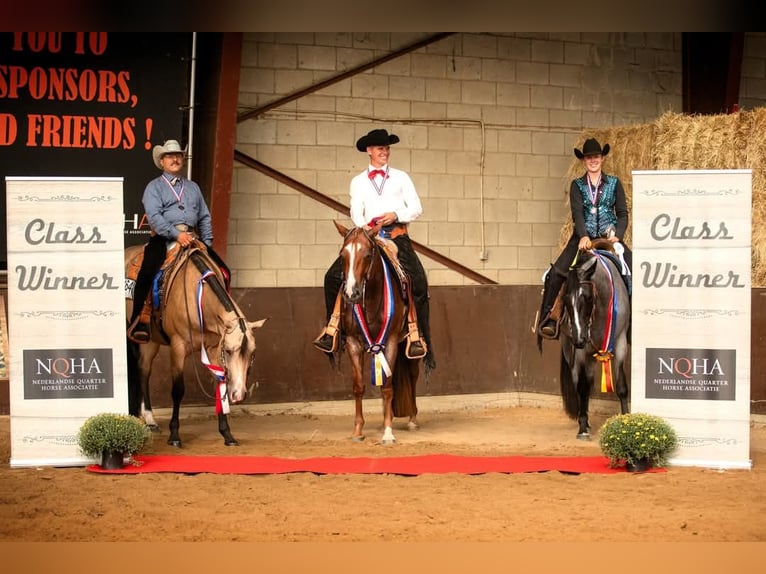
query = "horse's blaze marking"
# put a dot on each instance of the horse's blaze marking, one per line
(351, 249)
(576, 318)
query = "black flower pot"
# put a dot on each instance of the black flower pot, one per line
(638, 465)
(112, 459)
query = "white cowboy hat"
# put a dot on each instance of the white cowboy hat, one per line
(171, 146)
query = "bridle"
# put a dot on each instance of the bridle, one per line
(584, 289)
(228, 304)
(374, 250)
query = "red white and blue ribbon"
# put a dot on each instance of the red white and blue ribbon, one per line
(380, 369)
(221, 394)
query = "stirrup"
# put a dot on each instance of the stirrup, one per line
(411, 353)
(318, 341)
(545, 335)
(139, 332)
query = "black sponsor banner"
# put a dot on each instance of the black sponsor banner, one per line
(704, 374)
(91, 104)
(68, 373)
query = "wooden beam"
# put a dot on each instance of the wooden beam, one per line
(225, 137)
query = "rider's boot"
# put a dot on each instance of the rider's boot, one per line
(416, 344)
(139, 330)
(550, 311)
(327, 341)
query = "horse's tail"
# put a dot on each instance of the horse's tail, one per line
(134, 380)
(404, 381)
(568, 391)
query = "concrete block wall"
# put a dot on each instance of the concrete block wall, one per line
(487, 125)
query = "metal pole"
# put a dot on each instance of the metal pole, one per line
(189, 154)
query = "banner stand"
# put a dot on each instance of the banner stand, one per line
(66, 313)
(691, 315)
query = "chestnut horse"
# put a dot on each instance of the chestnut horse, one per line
(196, 314)
(594, 334)
(374, 322)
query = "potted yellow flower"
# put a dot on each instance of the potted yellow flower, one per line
(111, 437)
(637, 440)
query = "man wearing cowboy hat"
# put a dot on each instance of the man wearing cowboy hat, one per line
(383, 194)
(176, 211)
(599, 209)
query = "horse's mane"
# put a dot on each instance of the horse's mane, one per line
(203, 262)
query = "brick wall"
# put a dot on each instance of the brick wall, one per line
(487, 125)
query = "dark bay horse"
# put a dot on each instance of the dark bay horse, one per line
(374, 320)
(197, 314)
(594, 342)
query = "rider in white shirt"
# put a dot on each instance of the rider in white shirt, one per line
(386, 195)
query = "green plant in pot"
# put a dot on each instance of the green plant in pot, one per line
(637, 440)
(112, 436)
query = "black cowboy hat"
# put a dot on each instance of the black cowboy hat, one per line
(376, 137)
(591, 147)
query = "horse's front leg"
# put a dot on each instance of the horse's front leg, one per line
(387, 393)
(582, 381)
(223, 428)
(146, 355)
(178, 354)
(621, 388)
(355, 353)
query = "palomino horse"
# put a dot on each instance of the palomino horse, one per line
(374, 320)
(197, 314)
(594, 342)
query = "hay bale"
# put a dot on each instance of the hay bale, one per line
(751, 146)
(679, 141)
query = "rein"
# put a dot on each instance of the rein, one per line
(221, 394)
(219, 372)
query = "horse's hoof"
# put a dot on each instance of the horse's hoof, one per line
(153, 428)
(412, 426)
(388, 441)
(176, 443)
(232, 442)
(357, 438)
(583, 436)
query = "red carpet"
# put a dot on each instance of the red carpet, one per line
(405, 465)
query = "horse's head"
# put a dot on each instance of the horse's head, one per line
(357, 253)
(237, 352)
(580, 299)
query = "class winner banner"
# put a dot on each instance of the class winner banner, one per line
(690, 361)
(66, 313)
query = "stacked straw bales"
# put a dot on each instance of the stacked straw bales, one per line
(679, 141)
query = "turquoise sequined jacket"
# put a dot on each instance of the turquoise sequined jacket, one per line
(610, 209)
